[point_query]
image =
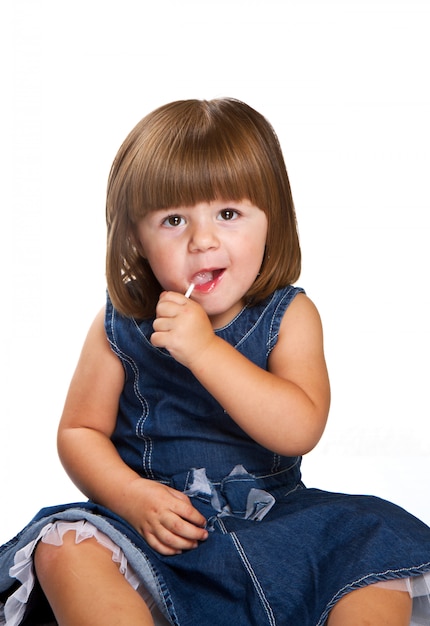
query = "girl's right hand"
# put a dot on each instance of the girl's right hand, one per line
(165, 517)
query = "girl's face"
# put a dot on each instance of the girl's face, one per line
(218, 246)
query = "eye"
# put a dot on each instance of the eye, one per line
(173, 220)
(228, 214)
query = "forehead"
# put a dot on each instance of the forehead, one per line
(187, 181)
(218, 204)
(188, 153)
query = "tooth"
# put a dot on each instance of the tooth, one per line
(203, 277)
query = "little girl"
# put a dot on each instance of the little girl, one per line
(201, 384)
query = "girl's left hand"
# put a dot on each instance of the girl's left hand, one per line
(182, 327)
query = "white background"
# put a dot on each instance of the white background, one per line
(346, 86)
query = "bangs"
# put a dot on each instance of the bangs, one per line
(206, 157)
(180, 155)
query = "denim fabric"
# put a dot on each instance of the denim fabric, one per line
(278, 553)
(168, 422)
(289, 568)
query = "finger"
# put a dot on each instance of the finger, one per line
(173, 530)
(167, 309)
(160, 547)
(166, 541)
(187, 511)
(186, 530)
(158, 340)
(162, 324)
(173, 296)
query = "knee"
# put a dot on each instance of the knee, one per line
(372, 605)
(49, 558)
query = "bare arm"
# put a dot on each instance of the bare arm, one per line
(164, 516)
(284, 409)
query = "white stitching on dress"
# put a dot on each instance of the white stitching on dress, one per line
(148, 444)
(256, 582)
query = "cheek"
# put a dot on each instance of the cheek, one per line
(248, 263)
(166, 266)
(256, 250)
(161, 263)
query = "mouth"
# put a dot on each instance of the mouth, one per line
(206, 280)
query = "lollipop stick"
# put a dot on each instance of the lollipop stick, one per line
(189, 290)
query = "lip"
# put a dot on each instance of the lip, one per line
(207, 286)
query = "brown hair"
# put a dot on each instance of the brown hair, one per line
(193, 151)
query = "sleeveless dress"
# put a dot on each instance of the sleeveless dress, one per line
(278, 553)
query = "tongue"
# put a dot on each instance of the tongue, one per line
(203, 277)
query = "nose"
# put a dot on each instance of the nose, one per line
(203, 237)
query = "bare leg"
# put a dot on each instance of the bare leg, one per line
(372, 606)
(84, 586)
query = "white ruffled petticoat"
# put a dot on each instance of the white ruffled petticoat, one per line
(22, 570)
(53, 534)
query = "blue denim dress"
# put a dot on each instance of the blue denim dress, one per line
(278, 553)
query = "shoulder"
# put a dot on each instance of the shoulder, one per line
(97, 351)
(301, 322)
(299, 353)
(273, 311)
(300, 333)
(301, 310)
